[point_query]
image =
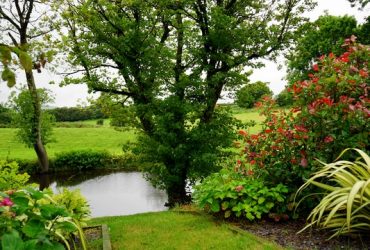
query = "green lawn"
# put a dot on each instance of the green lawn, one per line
(176, 230)
(67, 139)
(95, 138)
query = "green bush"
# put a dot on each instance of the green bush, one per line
(30, 219)
(10, 178)
(247, 96)
(80, 160)
(74, 202)
(83, 160)
(233, 194)
(345, 207)
(100, 122)
(330, 113)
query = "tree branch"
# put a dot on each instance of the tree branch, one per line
(10, 20)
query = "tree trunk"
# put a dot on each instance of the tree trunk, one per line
(36, 124)
(177, 194)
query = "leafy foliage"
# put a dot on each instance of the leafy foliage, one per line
(70, 114)
(84, 160)
(345, 206)
(80, 160)
(5, 116)
(234, 194)
(331, 112)
(23, 117)
(248, 95)
(74, 202)
(172, 59)
(284, 99)
(362, 3)
(325, 35)
(30, 219)
(10, 178)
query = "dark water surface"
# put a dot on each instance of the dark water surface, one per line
(119, 193)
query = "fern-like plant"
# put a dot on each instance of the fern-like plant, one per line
(345, 209)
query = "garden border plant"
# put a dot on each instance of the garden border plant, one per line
(331, 113)
(345, 206)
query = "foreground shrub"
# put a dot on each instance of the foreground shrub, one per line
(331, 113)
(10, 178)
(75, 204)
(345, 208)
(31, 219)
(233, 194)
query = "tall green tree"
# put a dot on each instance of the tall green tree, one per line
(326, 35)
(22, 116)
(249, 94)
(173, 59)
(23, 45)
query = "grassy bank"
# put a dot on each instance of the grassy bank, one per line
(175, 230)
(66, 139)
(89, 137)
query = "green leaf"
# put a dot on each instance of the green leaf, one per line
(227, 214)
(215, 207)
(50, 55)
(8, 76)
(53, 246)
(26, 60)
(33, 228)
(35, 194)
(5, 54)
(21, 202)
(261, 200)
(51, 211)
(12, 241)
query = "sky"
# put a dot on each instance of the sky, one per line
(73, 95)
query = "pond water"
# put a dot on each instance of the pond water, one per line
(109, 194)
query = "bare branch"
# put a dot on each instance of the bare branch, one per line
(9, 19)
(13, 39)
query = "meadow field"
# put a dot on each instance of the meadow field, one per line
(86, 135)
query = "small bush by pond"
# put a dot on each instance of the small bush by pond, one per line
(82, 160)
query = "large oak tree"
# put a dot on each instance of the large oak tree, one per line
(173, 59)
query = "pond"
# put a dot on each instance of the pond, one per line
(109, 194)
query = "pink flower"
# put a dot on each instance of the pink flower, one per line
(7, 202)
(239, 188)
(304, 162)
(328, 139)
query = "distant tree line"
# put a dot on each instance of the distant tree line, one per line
(61, 114)
(5, 116)
(71, 114)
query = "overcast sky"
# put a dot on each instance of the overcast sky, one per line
(77, 94)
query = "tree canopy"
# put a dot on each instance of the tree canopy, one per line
(326, 35)
(249, 94)
(172, 59)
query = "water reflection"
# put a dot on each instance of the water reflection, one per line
(119, 193)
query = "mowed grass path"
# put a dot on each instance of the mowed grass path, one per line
(67, 139)
(99, 138)
(175, 230)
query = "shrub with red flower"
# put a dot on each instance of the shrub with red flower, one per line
(331, 113)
